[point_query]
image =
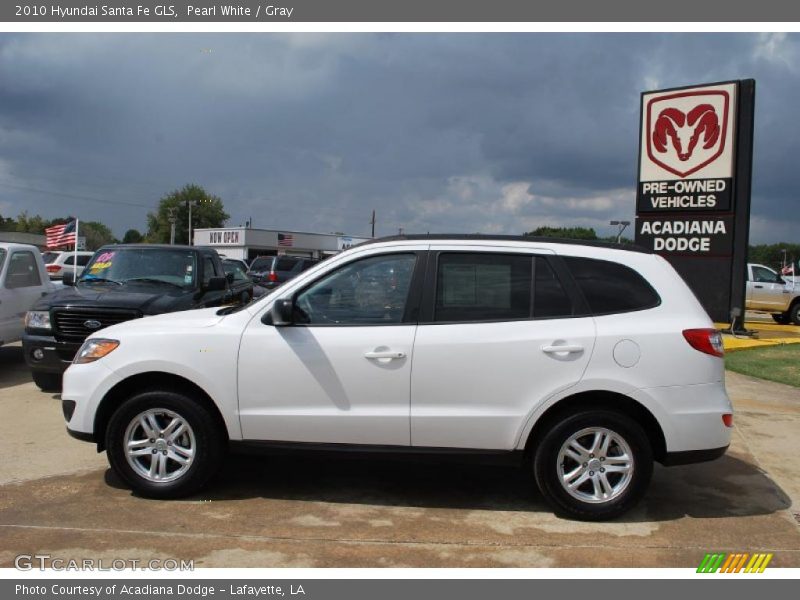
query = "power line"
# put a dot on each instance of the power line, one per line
(75, 196)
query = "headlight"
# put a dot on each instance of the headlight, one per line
(95, 349)
(37, 319)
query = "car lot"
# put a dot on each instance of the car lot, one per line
(58, 497)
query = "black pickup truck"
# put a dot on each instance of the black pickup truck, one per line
(121, 282)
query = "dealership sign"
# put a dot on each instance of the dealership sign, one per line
(694, 179)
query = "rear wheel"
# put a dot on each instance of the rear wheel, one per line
(164, 444)
(47, 382)
(593, 465)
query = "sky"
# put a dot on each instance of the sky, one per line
(490, 133)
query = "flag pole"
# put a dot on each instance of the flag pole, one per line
(75, 256)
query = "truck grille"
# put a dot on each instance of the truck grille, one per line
(70, 324)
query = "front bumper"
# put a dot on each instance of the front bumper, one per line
(56, 355)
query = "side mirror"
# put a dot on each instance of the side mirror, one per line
(68, 278)
(229, 277)
(216, 284)
(281, 312)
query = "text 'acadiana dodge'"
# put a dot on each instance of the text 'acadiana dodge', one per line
(695, 235)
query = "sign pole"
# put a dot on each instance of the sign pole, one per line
(744, 175)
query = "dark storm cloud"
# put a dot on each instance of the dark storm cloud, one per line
(452, 132)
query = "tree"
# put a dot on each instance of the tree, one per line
(132, 236)
(208, 211)
(771, 255)
(7, 224)
(97, 234)
(571, 233)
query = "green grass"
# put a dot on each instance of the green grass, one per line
(776, 363)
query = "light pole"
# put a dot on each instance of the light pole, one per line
(622, 226)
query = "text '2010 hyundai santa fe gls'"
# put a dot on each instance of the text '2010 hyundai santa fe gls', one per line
(585, 361)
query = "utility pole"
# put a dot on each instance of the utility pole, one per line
(173, 218)
(191, 203)
(373, 222)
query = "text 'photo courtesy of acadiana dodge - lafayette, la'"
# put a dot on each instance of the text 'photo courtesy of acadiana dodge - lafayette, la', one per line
(303, 301)
(156, 589)
(105, 10)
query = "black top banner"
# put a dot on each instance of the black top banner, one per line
(253, 11)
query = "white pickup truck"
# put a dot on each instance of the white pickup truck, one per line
(23, 280)
(768, 292)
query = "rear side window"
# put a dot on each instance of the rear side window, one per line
(262, 264)
(610, 287)
(285, 264)
(482, 287)
(84, 259)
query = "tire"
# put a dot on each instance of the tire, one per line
(47, 382)
(624, 489)
(193, 455)
(794, 313)
(781, 318)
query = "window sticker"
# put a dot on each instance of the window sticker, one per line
(103, 262)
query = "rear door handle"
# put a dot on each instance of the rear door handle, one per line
(384, 354)
(761, 287)
(568, 348)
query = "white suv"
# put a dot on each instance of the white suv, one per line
(584, 362)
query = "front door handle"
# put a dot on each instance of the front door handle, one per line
(566, 348)
(760, 287)
(382, 354)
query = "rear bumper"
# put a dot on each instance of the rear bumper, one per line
(690, 417)
(688, 457)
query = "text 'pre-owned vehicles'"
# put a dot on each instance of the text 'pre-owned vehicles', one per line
(584, 362)
(23, 281)
(122, 282)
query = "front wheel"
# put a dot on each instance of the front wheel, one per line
(781, 318)
(794, 313)
(593, 465)
(164, 444)
(47, 382)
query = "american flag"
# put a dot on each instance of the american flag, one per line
(60, 235)
(285, 239)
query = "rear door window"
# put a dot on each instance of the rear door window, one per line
(482, 287)
(611, 287)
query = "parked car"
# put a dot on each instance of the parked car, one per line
(271, 271)
(58, 262)
(241, 285)
(768, 292)
(122, 282)
(23, 281)
(584, 363)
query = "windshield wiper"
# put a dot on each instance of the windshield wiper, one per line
(153, 280)
(99, 279)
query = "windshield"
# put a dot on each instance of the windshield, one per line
(2, 258)
(151, 265)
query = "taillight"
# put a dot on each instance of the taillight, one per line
(53, 268)
(273, 276)
(705, 340)
(727, 420)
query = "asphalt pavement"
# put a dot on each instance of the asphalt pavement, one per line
(58, 497)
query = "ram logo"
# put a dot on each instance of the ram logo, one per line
(687, 131)
(92, 324)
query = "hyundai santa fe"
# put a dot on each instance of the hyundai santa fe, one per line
(585, 363)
